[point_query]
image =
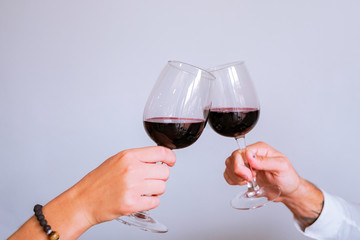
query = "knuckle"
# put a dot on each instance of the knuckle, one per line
(235, 153)
(163, 187)
(227, 178)
(130, 169)
(163, 151)
(227, 162)
(155, 202)
(243, 182)
(128, 202)
(238, 170)
(127, 182)
(286, 166)
(166, 172)
(260, 144)
(128, 154)
(229, 181)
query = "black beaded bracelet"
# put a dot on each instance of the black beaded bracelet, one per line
(52, 235)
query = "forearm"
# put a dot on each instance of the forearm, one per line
(305, 203)
(64, 214)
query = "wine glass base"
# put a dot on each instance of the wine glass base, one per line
(255, 199)
(143, 221)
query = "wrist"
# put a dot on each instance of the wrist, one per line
(66, 214)
(305, 203)
(299, 193)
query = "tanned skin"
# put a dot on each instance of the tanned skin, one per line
(271, 167)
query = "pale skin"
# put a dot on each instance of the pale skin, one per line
(127, 182)
(270, 166)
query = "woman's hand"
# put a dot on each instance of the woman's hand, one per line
(127, 182)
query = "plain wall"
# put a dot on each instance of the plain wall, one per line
(75, 76)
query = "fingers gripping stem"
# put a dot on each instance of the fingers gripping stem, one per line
(252, 185)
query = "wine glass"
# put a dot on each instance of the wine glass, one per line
(234, 112)
(175, 115)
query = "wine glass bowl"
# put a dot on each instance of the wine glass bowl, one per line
(234, 112)
(178, 106)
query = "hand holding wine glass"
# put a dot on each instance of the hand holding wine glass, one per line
(271, 168)
(108, 191)
(235, 111)
(174, 116)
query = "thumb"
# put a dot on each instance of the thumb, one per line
(264, 163)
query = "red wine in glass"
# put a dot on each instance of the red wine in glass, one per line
(233, 122)
(174, 133)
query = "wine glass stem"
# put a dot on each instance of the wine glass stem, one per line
(252, 185)
(141, 214)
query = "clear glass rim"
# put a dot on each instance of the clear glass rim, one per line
(226, 65)
(177, 65)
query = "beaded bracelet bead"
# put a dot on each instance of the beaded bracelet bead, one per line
(52, 235)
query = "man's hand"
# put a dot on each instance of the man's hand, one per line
(271, 167)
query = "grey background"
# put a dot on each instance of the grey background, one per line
(75, 76)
